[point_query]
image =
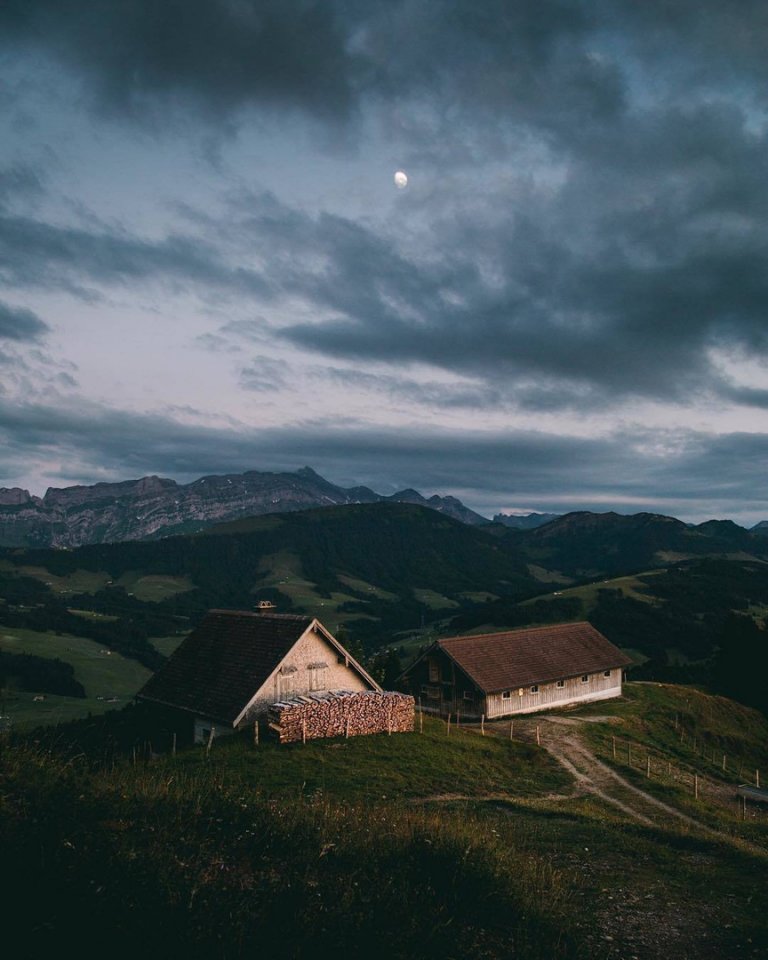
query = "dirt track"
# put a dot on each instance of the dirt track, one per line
(562, 738)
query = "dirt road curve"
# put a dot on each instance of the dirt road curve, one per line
(561, 737)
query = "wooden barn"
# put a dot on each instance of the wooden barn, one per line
(237, 663)
(517, 671)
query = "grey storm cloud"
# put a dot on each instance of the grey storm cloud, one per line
(536, 62)
(45, 255)
(220, 54)
(587, 224)
(488, 469)
(634, 311)
(17, 323)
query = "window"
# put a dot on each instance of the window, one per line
(585, 678)
(468, 695)
(606, 673)
(433, 693)
(560, 683)
(506, 694)
(434, 670)
(316, 671)
(535, 688)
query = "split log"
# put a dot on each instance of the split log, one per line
(341, 714)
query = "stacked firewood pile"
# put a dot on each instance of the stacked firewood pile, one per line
(341, 714)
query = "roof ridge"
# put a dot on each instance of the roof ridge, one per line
(261, 615)
(505, 633)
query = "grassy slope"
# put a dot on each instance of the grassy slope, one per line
(103, 674)
(377, 768)
(474, 844)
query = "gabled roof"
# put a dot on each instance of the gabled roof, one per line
(517, 658)
(221, 665)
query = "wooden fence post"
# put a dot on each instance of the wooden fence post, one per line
(538, 736)
(304, 730)
(255, 733)
(511, 729)
(448, 726)
(482, 724)
(421, 719)
(757, 779)
(696, 786)
(648, 767)
(173, 748)
(613, 746)
(210, 741)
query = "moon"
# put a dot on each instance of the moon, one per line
(401, 180)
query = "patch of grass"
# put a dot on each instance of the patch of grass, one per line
(433, 600)
(587, 593)
(282, 571)
(152, 588)
(478, 596)
(103, 674)
(167, 645)
(380, 766)
(79, 581)
(360, 586)
(547, 576)
(156, 862)
(93, 615)
(26, 714)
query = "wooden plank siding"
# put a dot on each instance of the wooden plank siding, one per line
(540, 667)
(573, 690)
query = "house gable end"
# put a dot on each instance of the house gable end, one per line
(315, 662)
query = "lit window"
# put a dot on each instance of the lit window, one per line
(506, 694)
(585, 678)
(535, 688)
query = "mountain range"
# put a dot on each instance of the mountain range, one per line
(154, 507)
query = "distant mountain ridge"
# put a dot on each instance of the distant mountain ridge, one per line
(528, 521)
(154, 507)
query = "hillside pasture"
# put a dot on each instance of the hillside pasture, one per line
(108, 678)
(79, 581)
(588, 593)
(153, 588)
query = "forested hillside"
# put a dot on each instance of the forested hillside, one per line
(688, 603)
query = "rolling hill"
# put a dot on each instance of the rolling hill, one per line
(687, 602)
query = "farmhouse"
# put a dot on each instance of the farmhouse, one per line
(237, 663)
(517, 671)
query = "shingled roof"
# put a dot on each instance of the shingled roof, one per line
(517, 658)
(224, 661)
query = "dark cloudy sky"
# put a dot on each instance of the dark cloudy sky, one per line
(205, 265)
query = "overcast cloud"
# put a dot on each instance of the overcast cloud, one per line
(206, 266)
